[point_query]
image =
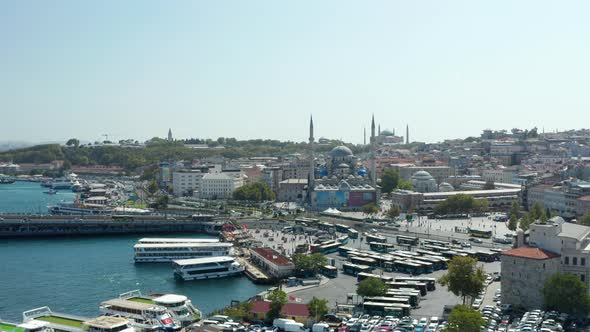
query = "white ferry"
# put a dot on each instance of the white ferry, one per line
(144, 316)
(75, 208)
(179, 306)
(167, 252)
(31, 326)
(162, 240)
(44, 320)
(207, 268)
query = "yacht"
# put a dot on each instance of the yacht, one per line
(167, 252)
(143, 315)
(207, 268)
(179, 306)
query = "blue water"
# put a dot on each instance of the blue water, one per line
(29, 197)
(73, 275)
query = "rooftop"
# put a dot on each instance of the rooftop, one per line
(273, 256)
(190, 261)
(288, 310)
(107, 322)
(530, 253)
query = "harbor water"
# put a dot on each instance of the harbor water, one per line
(74, 275)
(30, 197)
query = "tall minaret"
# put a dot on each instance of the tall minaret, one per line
(365, 136)
(170, 134)
(379, 130)
(407, 134)
(373, 154)
(311, 181)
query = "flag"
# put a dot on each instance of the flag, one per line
(291, 298)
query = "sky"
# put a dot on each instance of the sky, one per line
(259, 69)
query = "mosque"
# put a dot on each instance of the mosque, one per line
(341, 181)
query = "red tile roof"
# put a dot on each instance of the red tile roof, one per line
(288, 310)
(531, 253)
(273, 256)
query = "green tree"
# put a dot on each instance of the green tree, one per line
(537, 211)
(585, 219)
(464, 278)
(67, 164)
(394, 211)
(370, 209)
(278, 299)
(73, 141)
(489, 185)
(310, 263)
(480, 205)
(254, 192)
(371, 287)
(514, 211)
(389, 180)
(405, 185)
(526, 221)
(317, 308)
(239, 312)
(152, 187)
(566, 293)
(162, 202)
(464, 319)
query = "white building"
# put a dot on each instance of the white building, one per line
(272, 263)
(214, 186)
(186, 182)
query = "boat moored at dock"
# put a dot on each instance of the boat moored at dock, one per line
(143, 315)
(207, 268)
(167, 252)
(56, 321)
(179, 306)
(162, 240)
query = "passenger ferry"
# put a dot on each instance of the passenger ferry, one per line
(167, 252)
(163, 240)
(143, 315)
(76, 208)
(44, 320)
(207, 268)
(32, 326)
(179, 306)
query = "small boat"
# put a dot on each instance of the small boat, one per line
(50, 192)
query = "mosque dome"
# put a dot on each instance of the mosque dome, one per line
(445, 187)
(362, 172)
(343, 165)
(340, 151)
(424, 182)
(422, 175)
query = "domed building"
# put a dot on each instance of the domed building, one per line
(424, 182)
(445, 187)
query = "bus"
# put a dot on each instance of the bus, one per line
(425, 252)
(329, 271)
(388, 299)
(363, 275)
(434, 248)
(437, 262)
(485, 256)
(469, 253)
(307, 221)
(408, 267)
(430, 282)
(386, 309)
(341, 228)
(382, 260)
(412, 294)
(497, 252)
(363, 261)
(375, 238)
(122, 217)
(450, 254)
(354, 269)
(435, 243)
(480, 233)
(328, 248)
(420, 286)
(345, 251)
(327, 227)
(381, 247)
(403, 240)
(407, 254)
(427, 266)
(352, 233)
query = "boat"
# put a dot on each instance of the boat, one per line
(179, 306)
(207, 268)
(157, 240)
(77, 208)
(61, 183)
(167, 252)
(6, 180)
(50, 192)
(32, 326)
(77, 186)
(142, 315)
(54, 320)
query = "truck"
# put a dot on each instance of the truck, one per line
(320, 327)
(279, 323)
(294, 327)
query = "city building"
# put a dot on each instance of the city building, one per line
(272, 263)
(561, 198)
(187, 182)
(218, 186)
(292, 190)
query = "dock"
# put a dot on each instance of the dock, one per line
(253, 273)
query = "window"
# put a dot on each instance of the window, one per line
(583, 278)
(575, 261)
(567, 260)
(543, 266)
(583, 261)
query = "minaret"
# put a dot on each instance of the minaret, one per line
(365, 136)
(373, 153)
(407, 134)
(379, 130)
(170, 134)
(311, 181)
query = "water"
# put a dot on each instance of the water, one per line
(73, 275)
(29, 197)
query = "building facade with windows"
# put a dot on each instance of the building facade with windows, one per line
(272, 263)
(218, 186)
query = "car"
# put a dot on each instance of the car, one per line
(465, 245)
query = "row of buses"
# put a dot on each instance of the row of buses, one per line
(404, 293)
(328, 227)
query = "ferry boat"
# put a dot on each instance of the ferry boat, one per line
(162, 240)
(32, 326)
(6, 180)
(179, 306)
(207, 268)
(54, 320)
(167, 252)
(61, 183)
(144, 316)
(76, 208)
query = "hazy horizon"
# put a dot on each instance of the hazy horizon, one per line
(259, 69)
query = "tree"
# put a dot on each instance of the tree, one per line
(566, 293)
(480, 205)
(370, 209)
(405, 185)
(73, 141)
(464, 319)
(585, 219)
(489, 185)
(278, 299)
(394, 211)
(389, 180)
(465, 278)
(239, 311)
(371, 287)
(255, 192)
(162, 202)
(537, 211)
(525, 221)
(310, 264)
(152, 187)
(317, 308)
(513, 221)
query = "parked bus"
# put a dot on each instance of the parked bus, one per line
(408, 254)
(435, 243)
(352, 233)
(427, 266)
(388, 299)
(342, 228)
(345, 251)
(381, 247)
(480, 233)
(328, 248)
(450, 254)
(403, 240)
(425, 252)
(354, 269)
(382, 260)
(469, 253)
(329, 271)
(430, 282)
(326, 227)
(408, 267)
(386, 309)
(420, 286)
(375, 238)
(412, 294)
(363, 275)
(497, 252)
(363, 261)
(437, 249)
(485, 256)
(307, 221)
(437, 262)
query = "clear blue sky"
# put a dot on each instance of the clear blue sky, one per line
(252, 69)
